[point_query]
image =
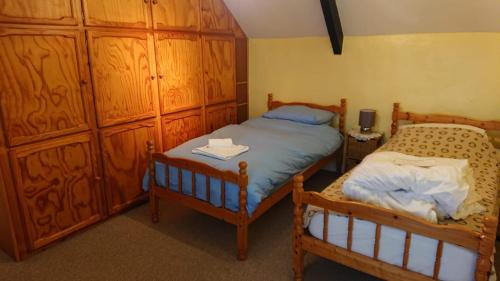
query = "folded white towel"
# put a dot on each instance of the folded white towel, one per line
(220, 142)
(221, 153)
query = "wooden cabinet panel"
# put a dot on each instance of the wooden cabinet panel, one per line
(242, 113)
(219, 69)
(59, 12)
(57, 186)
(124, 13)
(42, 87)
(176, 15)
(181, 127)
(215, 17)
(125, 161)
(179, 69)
(242, 93)
(241, 47)
(122, 74)
(220, 116)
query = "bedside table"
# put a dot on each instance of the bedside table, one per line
(357, 149)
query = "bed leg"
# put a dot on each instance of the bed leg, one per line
(153, 199)
(488, 238)
(242, 237)
(298, 230)
(242, 224)
(153, 207)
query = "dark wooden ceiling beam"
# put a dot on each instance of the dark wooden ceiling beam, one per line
(333, 24)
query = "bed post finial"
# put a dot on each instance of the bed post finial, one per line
(395, 118)
(486, 244)
(269, 101)
(343, 111)
(242, 225)
(298, 229)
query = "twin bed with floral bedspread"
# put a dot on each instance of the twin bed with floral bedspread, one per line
(395, 245)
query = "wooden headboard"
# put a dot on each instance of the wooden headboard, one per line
(416, 118)
(339, 109)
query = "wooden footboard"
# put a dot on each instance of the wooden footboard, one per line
(240, 218)
(481, 242)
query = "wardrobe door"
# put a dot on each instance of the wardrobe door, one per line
(220, 116)
(125, 161)
(181, 15)
(43, 86)
(58, 187)
(181, 127)
(122, 73)
(123, 13)
(57, 12)
(215, 17)
(179, 71)
(219, 69)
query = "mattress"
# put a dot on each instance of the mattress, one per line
(279, 149)
(457, 263)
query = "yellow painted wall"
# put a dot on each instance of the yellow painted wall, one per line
(456, 73)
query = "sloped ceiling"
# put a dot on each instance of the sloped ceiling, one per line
(297, 18)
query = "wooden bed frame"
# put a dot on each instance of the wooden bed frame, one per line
(240, 218)
(482, 242)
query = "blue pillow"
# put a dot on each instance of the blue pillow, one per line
(301, 113)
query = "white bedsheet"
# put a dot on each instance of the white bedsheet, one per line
(457, 263)
(428, 187)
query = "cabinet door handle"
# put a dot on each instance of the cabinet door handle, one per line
(155, 2)
(83, 82)
(146, 1)
(153, 77)
(160, 76)
(98, 179)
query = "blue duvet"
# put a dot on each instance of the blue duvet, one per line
(278, 150)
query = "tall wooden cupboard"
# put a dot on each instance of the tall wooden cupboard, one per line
(85, 83)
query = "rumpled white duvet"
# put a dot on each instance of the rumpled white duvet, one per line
(428, 187)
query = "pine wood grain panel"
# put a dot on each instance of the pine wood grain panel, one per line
(181, 127)
(242, 113)
(242, 93)
(215, 17)
(179, 71)
(219, 69)
(11, 234)
(58, 12)
(122, 13)
(8, 237)
(42, 86)
(124, 156)
(176, 15)
(241, 47)
(121, 74)
(220, 115)
(57, 186)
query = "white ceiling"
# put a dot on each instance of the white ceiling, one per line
(297, 18)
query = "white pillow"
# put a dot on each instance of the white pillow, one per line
(444, 125)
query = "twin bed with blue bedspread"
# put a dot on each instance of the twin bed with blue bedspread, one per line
(279, 149)
(286, 141)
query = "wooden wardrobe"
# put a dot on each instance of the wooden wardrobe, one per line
(84, 84)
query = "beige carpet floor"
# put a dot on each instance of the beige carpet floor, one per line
(185, 245)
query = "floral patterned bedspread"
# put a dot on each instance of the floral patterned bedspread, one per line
(458, 143)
